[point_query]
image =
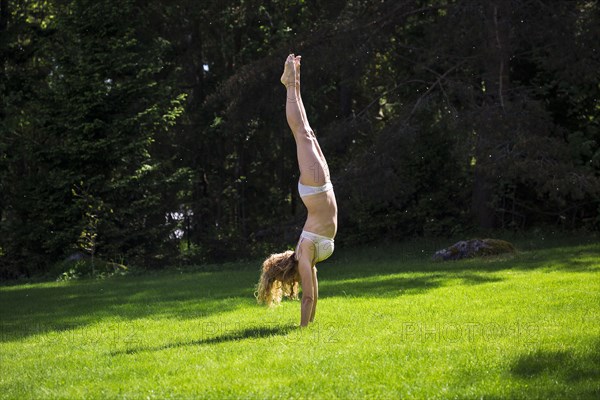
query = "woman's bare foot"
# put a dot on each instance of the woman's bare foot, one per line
(297, 65)
(289, 71)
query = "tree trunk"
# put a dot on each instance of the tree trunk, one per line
(481, 207)
(495, 80)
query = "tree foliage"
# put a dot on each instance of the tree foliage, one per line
(154, 133)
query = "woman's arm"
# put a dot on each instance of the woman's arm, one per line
(308, 296)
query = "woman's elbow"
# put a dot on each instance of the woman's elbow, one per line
(307, 300)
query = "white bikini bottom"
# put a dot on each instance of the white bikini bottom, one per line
(323, 245)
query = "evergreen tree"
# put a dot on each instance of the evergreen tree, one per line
(155, 132)
(100, 100)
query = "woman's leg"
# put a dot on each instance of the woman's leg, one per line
(299, 94)
(303, 112)
(295, 118)
(313, 168)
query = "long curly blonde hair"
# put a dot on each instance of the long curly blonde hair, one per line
(279, 277)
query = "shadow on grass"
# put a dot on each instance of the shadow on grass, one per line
(381, 271)
(402, 259)
(406, 270)
(562, 365)
(392, 286)
(243, 334)
(379, 286)
(38, 309)
(477, 279)
(558, 374)
(540, 374)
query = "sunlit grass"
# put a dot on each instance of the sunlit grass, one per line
(390, 324)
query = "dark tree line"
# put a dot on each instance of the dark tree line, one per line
(154, 133)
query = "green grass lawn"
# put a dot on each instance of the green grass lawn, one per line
(390, 324)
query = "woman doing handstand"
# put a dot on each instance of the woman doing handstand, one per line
(281, 272)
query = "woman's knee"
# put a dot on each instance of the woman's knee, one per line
(304, 135)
